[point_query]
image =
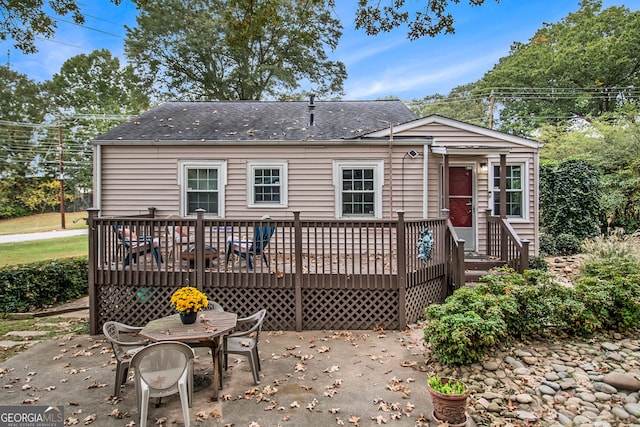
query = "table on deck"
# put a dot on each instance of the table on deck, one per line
(208, 330)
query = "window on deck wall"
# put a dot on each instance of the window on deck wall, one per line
(516, 190)
(202, 187)
(267, 184)
(359, 189)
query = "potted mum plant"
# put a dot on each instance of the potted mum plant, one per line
(449, 398)
(188, 301)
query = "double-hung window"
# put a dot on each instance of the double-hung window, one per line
(267, 184)
(358, 188)
(515, 190)
(202, 187)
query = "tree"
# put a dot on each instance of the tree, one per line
(21, 108)
(430, 20)
(570, 203)
(92, 93)
(612, 146)
(240, 49)
(461, 104)
(581, 67)
(23, 21)
(96, 84)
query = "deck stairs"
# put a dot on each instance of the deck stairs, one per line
(478, 265)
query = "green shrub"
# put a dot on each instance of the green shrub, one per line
(567, 244)
(468, 324)
(562, 244)
(538, 263)
(610, 290)
(509, 305)
(33, 286)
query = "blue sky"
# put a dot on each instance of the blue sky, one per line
(381, 66)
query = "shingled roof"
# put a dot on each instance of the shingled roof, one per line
(256, 121)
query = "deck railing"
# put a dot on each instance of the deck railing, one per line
(503, 243)
(341, 274)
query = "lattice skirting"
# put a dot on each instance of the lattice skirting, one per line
(133, 305)
(321, 308)
(349, 309)
(420, 296)
(280, 304)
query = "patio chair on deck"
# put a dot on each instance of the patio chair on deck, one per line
(135, 246)
(178, 237)
(248, 249)
(125, 342)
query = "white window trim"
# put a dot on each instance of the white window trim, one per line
(378, 176)
(525, 188)
(252, 165)
(221, 165)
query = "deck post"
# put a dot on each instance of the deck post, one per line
(444, 213)
(402, 271)
(461, 278)
(93, 266)
(199, 257)
(487, 213)
(524, 255)
(297, 229)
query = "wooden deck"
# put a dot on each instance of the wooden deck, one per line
(321, 274)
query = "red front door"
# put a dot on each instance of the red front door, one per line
(460, 196)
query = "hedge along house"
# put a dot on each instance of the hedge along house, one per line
(366, 176)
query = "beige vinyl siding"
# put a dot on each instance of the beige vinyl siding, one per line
(137, 177)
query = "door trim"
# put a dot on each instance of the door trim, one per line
(470, 236)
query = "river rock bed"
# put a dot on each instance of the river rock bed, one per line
(568, 382)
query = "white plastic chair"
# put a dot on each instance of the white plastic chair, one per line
(163, 369)
(125, 342)
(245, 343)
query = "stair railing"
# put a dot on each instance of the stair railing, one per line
(454, 250)
(503, 243)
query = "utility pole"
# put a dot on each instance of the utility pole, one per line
(491, 103)
(62, 221)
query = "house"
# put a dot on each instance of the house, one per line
(326, 159)
(351, 189)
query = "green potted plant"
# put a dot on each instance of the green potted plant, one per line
(449, 398)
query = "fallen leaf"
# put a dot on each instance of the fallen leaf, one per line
(117, 413)
(379, 420)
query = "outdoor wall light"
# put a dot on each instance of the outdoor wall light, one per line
(484, 167)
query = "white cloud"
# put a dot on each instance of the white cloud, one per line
(419, 78)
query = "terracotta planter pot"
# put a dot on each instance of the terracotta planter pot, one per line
(451, 408)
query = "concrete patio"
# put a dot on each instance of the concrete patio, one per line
(308, 378)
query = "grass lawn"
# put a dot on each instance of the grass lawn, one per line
(42, 222)
(42, 250)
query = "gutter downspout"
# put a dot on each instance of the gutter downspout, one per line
(390, 171)
(97, 177)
